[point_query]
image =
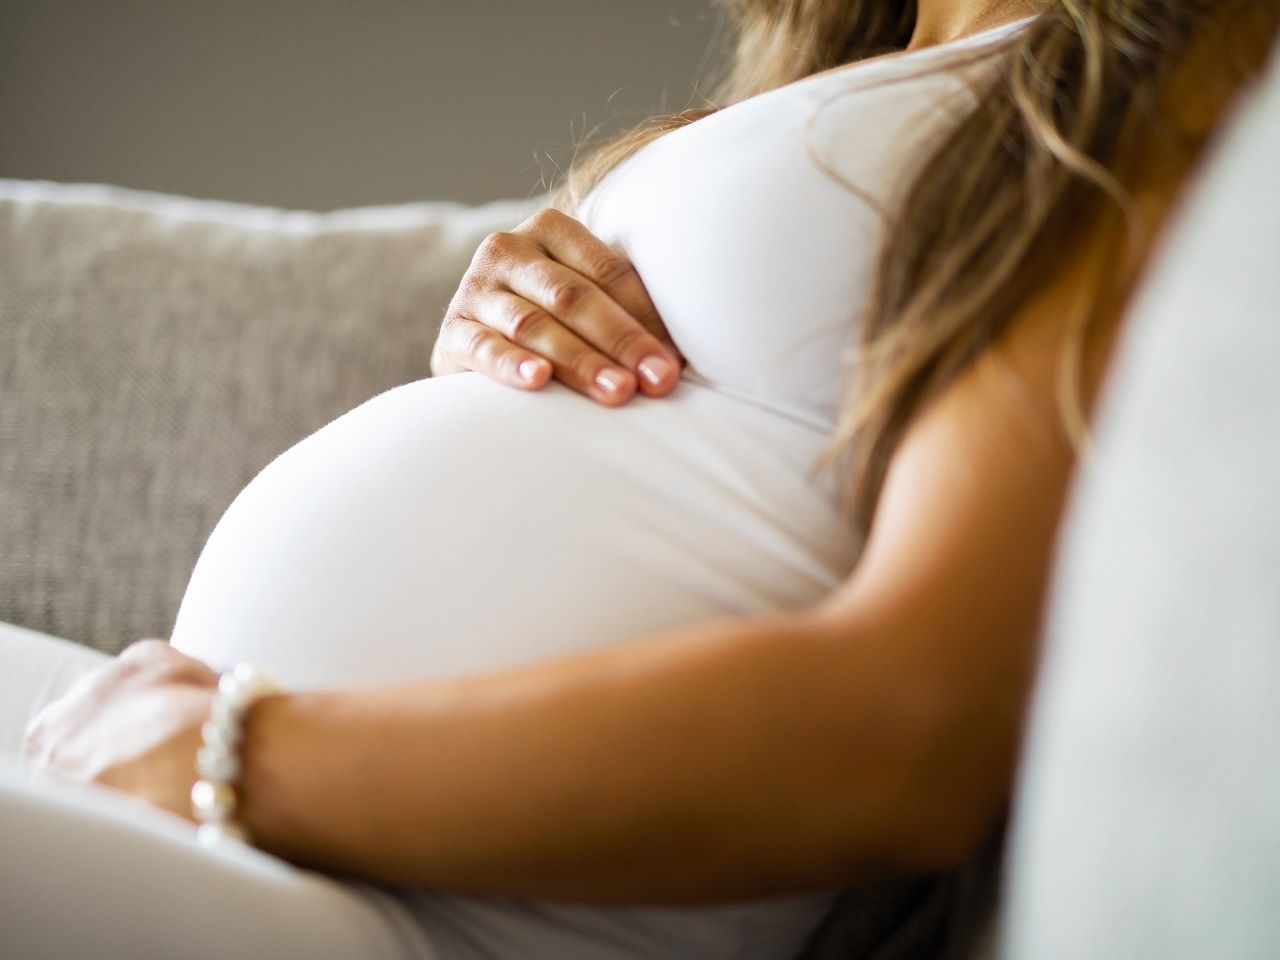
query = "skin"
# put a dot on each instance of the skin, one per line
(876, 731)
(941, 21)
(550, 299)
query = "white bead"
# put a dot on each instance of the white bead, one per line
(212, 801)
(216, 834)
(228, 685)
(217, 763)
(221, 735)
(252, 683)
(224, 712)
(244, 684)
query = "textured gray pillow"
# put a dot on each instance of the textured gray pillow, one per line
(155, 353)
(1148, 816)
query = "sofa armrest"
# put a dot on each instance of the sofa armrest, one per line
(156, 352)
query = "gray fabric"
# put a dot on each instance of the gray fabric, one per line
(889, 921)
(1148, 820)
(156, 352)
(928, 918)
(940, 917)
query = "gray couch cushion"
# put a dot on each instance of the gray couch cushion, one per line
(155, 353)
(1148, 819)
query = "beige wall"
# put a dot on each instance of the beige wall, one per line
(329, 103)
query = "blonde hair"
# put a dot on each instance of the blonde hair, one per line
(1038, 156)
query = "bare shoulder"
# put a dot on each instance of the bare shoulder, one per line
(949, 594)
(960, 550)
(977, 486)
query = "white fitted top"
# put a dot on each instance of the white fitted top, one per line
(454, 525)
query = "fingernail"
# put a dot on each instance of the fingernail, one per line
(654, 368)
(528, 369)
(610, 381)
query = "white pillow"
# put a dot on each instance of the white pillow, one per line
(1148, 814)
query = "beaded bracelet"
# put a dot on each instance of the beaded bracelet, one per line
(213, 797)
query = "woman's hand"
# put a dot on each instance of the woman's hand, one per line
(551, 299)
(133, 725)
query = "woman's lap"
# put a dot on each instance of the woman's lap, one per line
(86, 872)
(35, 669)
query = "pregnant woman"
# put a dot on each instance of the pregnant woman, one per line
(628, 675)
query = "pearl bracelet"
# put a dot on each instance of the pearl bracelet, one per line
(213, 797)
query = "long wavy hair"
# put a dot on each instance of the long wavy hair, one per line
(1041, 153)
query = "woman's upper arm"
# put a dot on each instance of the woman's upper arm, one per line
(954, 575)
(971, 503)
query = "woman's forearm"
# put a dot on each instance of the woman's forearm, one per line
(730, 759)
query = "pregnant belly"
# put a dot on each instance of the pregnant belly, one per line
(454, 526)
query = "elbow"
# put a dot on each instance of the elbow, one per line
(919, 768)
(954, 783)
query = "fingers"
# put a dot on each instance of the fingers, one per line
(476, 345)
(466, 344)
(567, 241)
(550, 299)
(158, 662)
(576, 363)
(612, 311)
